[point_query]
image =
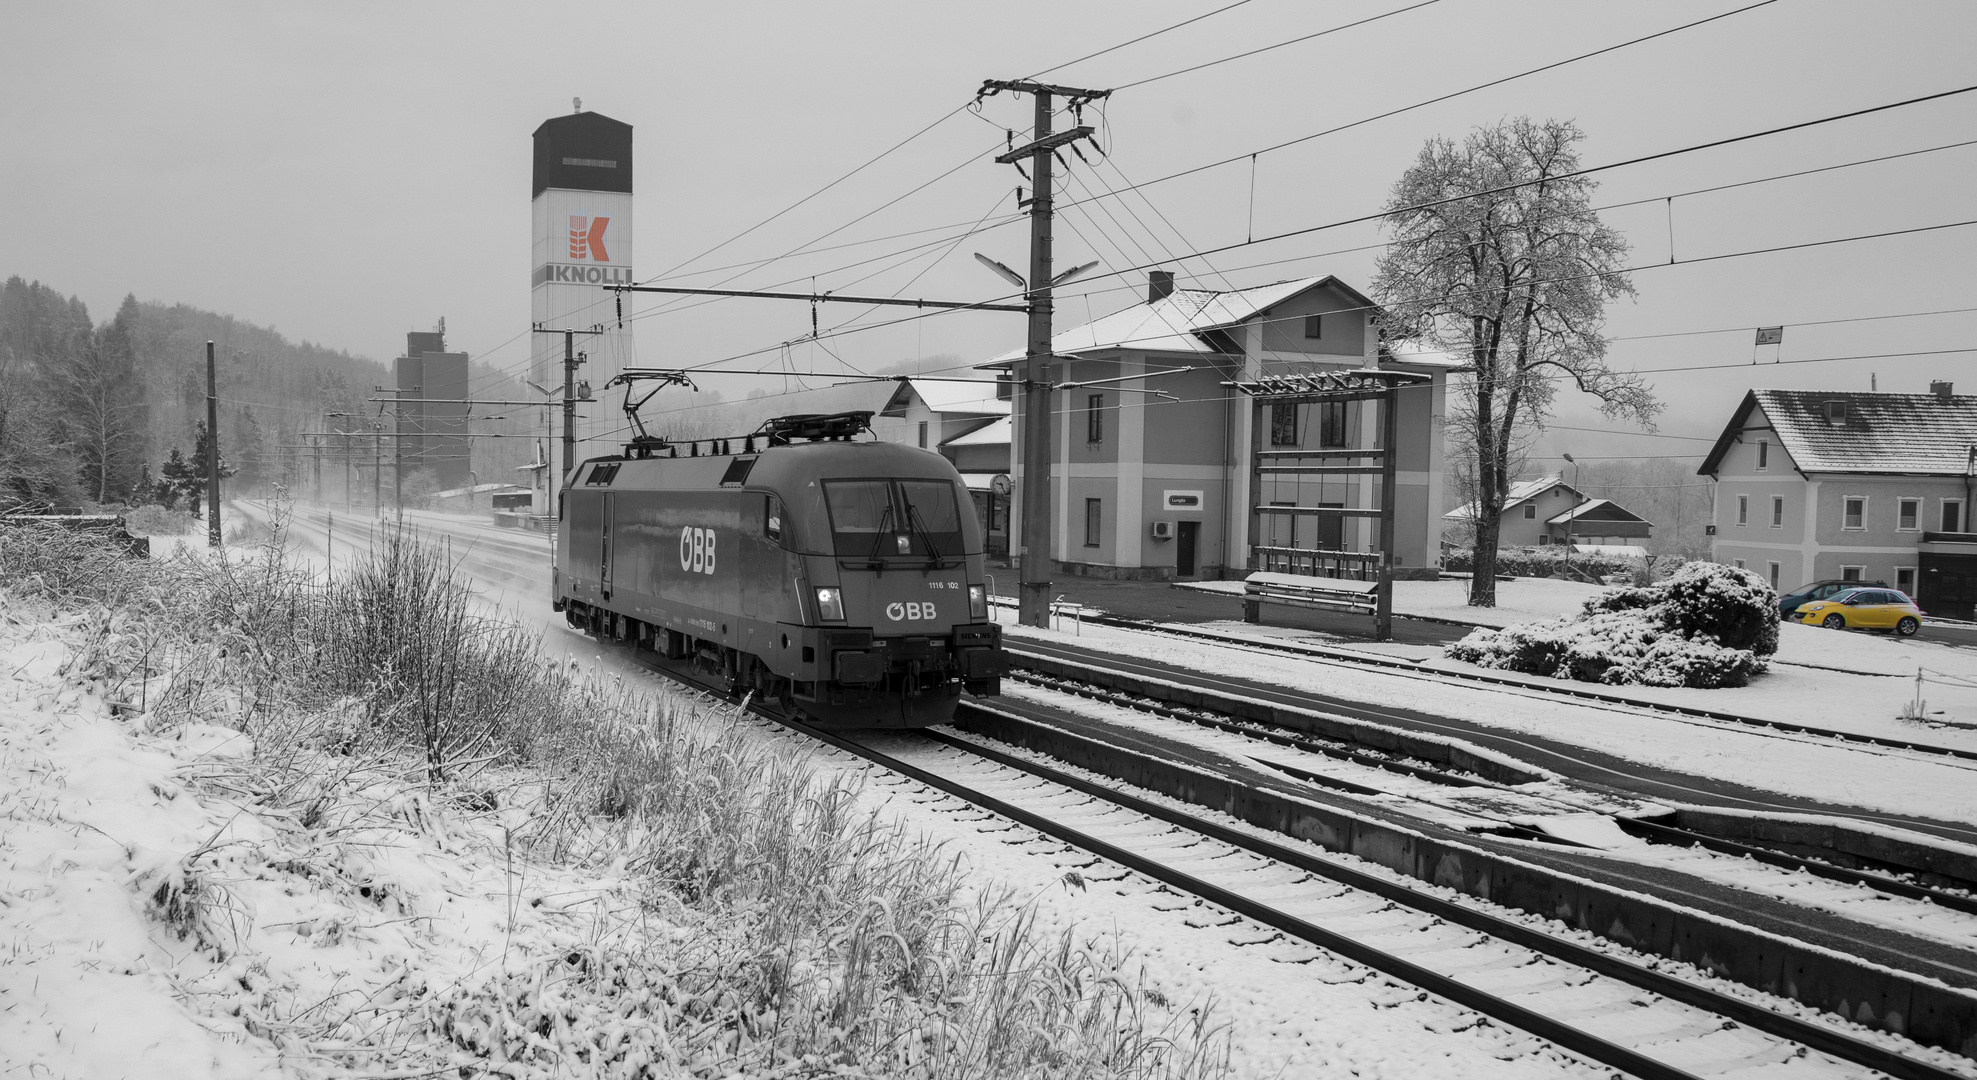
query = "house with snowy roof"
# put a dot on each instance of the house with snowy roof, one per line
(1546, 511)
(1153, 449)
(1817, 484)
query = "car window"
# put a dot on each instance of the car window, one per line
(1824, 591)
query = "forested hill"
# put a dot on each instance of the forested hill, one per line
(89, 410)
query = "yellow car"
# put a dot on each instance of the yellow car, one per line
(1864, 609)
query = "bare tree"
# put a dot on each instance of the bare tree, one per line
(1498, 256)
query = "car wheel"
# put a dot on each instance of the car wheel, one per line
(1836, 621)
(1908, 625)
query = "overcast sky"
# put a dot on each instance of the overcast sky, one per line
(347, 172)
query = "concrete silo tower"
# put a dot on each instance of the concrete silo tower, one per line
(581, 215)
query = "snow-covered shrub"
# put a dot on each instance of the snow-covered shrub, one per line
(1706, 626)
(1734, 606)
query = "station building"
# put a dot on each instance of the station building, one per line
(1154, 449)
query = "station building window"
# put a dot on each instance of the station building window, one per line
(1283, 425)
(1092, 515)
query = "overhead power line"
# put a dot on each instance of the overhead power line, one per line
(1137, 40)
(1454, 94)
(1278, 45)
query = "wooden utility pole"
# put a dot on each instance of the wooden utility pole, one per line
(1035, 546)
(212, 451)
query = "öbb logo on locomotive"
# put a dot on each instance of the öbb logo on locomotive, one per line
(913, 610)
(697, 550)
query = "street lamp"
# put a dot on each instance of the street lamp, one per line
(1571, 523)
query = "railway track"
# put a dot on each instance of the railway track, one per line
(1613, 1010)
(1550, 689)
(1535, 750)
(1505, 804)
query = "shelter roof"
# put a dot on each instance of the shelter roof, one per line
(974, 397)
(1520, 491)
(1597, 510)
(999, 433)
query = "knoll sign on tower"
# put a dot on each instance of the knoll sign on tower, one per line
(581, 214)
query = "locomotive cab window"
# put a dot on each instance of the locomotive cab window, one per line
(933, 517)
(772, 517)
(861, 512)
(873, 519)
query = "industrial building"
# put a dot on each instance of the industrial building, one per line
(432, 419)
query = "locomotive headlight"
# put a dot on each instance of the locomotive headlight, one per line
(977, 602)
(830, 603)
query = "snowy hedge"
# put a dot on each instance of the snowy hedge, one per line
(1706, 626)
(1547, 561)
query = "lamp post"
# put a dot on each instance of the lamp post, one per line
(1571, 523)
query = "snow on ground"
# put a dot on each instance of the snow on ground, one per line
(154, 926)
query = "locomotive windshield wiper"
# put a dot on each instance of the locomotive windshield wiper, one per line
(919, 525)
(879, 539)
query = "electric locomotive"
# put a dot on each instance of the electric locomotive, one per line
(839, 580)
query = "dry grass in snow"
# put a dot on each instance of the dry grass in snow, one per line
(254, 820)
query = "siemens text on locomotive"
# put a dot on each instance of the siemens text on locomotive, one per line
(840, 580)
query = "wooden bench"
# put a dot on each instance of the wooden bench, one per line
(1298, 590)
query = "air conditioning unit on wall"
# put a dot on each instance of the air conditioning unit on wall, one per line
(1163, 530)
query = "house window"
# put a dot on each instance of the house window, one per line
(1091, 522)
(1777, 511)
(1763, 454)
(1740, 564)
(1905, 580)
(1331, 424)
(1952, 515)
(1852, 573)
(1743, 509)
(1314, 326)
(1095, 418)
(1544, 539)
(1853, 512)
(1772, 573)
(1907, 511)
(1836, 412)
(1530, 511)
(1283, 425)
(923, 434)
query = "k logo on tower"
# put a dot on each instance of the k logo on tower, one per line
(587, 236)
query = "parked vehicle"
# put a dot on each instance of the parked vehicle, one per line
(1864, 609)
(1789, 603)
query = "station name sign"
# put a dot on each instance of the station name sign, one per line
(574, 274)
